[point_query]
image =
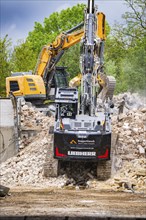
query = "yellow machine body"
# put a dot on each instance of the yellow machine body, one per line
(28, 86)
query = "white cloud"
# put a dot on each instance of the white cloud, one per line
(63, 6)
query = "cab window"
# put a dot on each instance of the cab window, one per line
(14, 86)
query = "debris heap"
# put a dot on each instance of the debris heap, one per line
(130, 130)
(26, 168)
(131, 177)
(129, 163)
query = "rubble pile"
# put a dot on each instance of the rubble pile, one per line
(78, 173)
(129, 164)
(132, 101)
(26, 168)
(129, 168)
(31, 118)
(130, 130)
(132, 176)
(33, 121)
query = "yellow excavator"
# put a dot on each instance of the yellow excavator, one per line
(47, 77)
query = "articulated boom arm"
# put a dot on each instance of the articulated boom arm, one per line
(52, 53)
(92, 62)
(88, 40)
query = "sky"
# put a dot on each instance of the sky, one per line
(17, 17)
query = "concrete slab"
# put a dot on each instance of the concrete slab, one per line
(6, 113)
(7, 130)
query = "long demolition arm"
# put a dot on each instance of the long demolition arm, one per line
(92, 63)
(51, 54)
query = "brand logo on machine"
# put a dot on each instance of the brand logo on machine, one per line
(73, 142)
(80, 153)
(86, 141)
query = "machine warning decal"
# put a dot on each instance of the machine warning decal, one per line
(80, 153)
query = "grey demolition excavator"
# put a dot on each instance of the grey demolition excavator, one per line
(82, 129)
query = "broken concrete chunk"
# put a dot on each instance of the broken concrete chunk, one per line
(122, 116)
(128, 133)
(143, 110)
(141, 149)
(25, 107)
(135, 130)
(4, 191)
(141, 172)
(126, 126)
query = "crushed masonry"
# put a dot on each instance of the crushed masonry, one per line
(129, 163)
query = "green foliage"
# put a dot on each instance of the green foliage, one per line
(71, 59)
(134, 68)
(37, 38)
(5, 64)
(112, 69)
(24, 58)
(66, 19)
(125, 49)
(135, 19)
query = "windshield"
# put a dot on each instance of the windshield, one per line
(61, 78)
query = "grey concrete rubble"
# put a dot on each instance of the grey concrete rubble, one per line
(129, 163)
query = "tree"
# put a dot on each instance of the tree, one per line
(23, 57)
(71, 59)
(51, 28)
(134, 67)
(5, 63)
(134, 63)
(125, 49)
(133, 29)
(135, 18)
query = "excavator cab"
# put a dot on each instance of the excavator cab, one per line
(59, 80)
(60, 77)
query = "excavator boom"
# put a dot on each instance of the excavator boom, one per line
(49, 55)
